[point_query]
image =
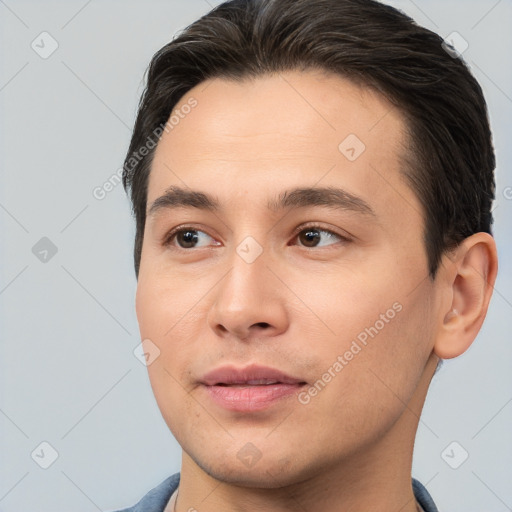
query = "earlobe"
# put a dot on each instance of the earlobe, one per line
(470, 277)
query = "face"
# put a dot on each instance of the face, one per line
(327, 287)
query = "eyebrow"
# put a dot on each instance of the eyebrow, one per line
(331, 197)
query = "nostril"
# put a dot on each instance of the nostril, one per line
(262, 324)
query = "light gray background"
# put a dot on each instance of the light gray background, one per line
(68, 329)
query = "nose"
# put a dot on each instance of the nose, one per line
(248, 302)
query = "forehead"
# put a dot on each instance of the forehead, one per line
(312, 110)
(293, 128)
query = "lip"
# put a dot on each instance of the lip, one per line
(249, 389)
(232, 375)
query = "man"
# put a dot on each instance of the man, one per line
(312, 183)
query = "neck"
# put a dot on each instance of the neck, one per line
(378, 475)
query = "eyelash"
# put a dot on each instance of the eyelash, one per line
(169, 237)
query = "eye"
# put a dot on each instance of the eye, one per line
(316, 236)
(187, 238)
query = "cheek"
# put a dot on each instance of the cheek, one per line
(343, 305)
(161, 301)
(167, 316)
(373, 362)
(151, 304)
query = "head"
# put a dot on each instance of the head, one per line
(330, 168)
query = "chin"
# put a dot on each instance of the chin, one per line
(265, 473)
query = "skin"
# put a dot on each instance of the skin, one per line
(298, 307)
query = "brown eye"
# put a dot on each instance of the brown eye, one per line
(309, 237)
(188, 238)
(317, 237)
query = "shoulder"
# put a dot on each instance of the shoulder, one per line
(156, 499)
(423, 497)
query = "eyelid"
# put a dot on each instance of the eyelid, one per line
(318, 225)
(170, 235)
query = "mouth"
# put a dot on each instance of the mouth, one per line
(249, 389)
(252, 382)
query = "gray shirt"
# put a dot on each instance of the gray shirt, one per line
(156, 499)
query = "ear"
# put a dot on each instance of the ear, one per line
(468, 276)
